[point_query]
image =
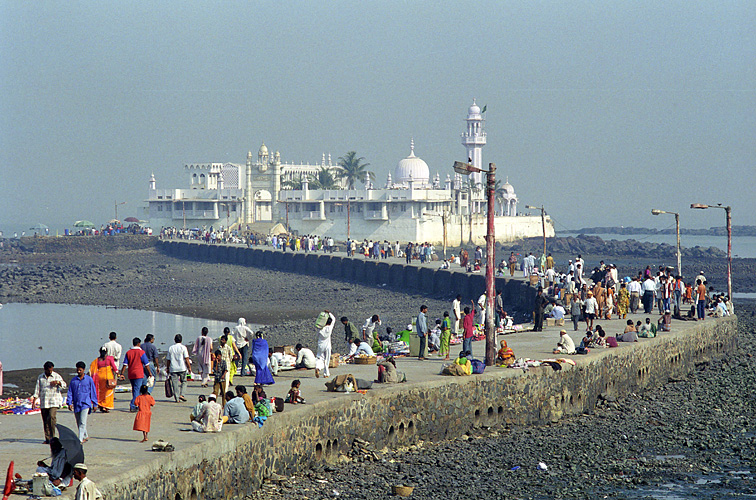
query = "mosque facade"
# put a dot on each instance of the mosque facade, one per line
(410, 206)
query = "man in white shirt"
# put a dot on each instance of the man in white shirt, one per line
(634, 287)
(242, 335)
(305, 358)
(457, 314)
(591, 309)
(557, 312)
(649, 291)
(324, 347)
(360, 347)
(114, 349)
(178, 363)
(369, 327)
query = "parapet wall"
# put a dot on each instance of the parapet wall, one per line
(429, 281)
(232, 464)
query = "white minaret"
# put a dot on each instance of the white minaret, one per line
(474, 139)
(153, 182)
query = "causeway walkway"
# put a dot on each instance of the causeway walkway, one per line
(113, 449)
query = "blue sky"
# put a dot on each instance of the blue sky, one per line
(598, 110)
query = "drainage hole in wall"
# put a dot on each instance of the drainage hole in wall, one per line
(477, 413)
(335, 446)
(178, 497)
(501, 410)
(328, 448)
(411, 426)
(318, 451)
(401, 428)
(391, 431)
(571, 400)
(490, 411)
(194, 494)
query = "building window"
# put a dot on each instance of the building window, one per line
(404, 207)
(331, 208)
(160, 207)
(359, 208)
(341, 209)
(296, 207)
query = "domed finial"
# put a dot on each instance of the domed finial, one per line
(412, 147)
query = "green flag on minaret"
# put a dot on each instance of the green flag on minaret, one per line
(484, 109)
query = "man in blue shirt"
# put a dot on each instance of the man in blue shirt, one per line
(235, 411)
(422, 330)
(82, 398)
(148, 346)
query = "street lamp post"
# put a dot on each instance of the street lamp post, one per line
(467, 169)
(443, 216)
(677, 224)
(728, 212)
(543, 223)
(116, 209)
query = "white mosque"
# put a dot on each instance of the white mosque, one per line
(411, 206)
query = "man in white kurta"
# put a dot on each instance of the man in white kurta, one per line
(323, 358)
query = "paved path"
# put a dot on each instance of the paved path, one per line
(113, 447)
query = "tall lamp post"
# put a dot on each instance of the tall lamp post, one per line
(677, 223)
(467, 169)
(116, 209)
(543, 223)
(728, 212)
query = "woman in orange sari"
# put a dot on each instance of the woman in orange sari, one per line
(103, 370)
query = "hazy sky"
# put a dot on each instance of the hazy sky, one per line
(598, 110)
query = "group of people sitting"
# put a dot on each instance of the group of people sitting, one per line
(208, 415)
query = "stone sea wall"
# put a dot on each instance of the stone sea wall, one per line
(232, 464)
(434, 282)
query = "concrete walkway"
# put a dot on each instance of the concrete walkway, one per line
(113, 448)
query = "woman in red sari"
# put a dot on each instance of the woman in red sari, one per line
(103, 370)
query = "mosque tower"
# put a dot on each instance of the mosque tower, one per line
(474, 139)
(248, 190)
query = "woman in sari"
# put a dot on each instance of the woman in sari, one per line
(236, 355)
(623, 301)
(103, 370)
(260, 360)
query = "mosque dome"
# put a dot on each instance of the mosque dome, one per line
(474, 109)
(263, 149)
(413, 168)
(507, 187)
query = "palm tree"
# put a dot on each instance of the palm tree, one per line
(352, 169)
(294, 183)
(324, 178)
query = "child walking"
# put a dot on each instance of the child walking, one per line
(144, 402)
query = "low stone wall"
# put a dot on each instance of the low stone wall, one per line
(235, 463)
(426, 280)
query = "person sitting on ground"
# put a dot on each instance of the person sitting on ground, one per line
(388, 336)
(434, 338)
(210, 419)
(608, 340)
(630, 334)
(665, 321)
(587, 340)
(295, 395)
(201, 402)
(241, 392)
(235, 412)
(505, 356)
(360, 347)
(565, 344)
(557, 312)
(258, 393)
(59, 471)
(463, 360)
(305, 358)
(647, 329)
(387, 373)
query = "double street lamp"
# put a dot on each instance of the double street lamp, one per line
(677, 223)
(467, 169)
(728, 212)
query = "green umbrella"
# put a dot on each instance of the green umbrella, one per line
(83, 223)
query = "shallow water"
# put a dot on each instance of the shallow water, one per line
(31, 334)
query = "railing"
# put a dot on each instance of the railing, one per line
(313, 216)
(376, 215)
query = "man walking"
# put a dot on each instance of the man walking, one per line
(242, 336)
(135, 362)
(538, 308)
(82, 398)
(114, 348)
(324, 347)
(634, 287)
(469, 330)
(152, 356)
(48, 391)
(177, 363)
(422, 331)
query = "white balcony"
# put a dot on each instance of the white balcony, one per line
(313, 216)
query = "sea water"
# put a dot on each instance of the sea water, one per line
(31, 334)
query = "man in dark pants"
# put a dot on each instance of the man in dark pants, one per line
(350, 331)
(421, 325)
(538, 307)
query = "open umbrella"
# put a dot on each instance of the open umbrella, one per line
(70, 441)
(130, 219)
(39, 227)
(83, 223)
(9, 482)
